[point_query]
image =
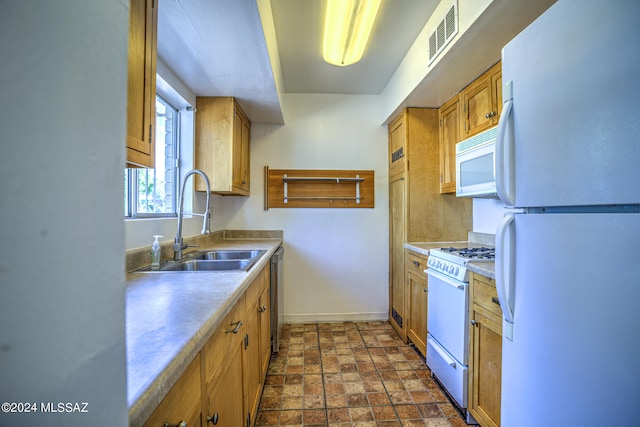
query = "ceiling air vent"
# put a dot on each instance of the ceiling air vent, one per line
(445, 31)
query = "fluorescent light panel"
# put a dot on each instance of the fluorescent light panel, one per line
(347, 27)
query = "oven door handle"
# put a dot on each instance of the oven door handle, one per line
(446, 279)
(443, 354)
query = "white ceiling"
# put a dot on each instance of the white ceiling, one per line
(299, 26)
(218, 48)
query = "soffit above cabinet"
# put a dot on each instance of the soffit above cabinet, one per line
(258, 50)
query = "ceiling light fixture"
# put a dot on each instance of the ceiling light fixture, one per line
(347, 27)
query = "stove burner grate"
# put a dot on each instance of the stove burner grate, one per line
(471, 253)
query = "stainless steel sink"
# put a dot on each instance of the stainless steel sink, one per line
(212, 260)
(210, 265)
(230, 254)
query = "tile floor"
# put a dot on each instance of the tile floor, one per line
(351, 374)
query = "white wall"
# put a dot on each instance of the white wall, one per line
(415, 65)
(336, 260)
(487, 214)
(62, 300)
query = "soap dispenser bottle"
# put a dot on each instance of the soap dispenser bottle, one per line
(155, 253)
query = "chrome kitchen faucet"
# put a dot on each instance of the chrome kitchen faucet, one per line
(179, 245)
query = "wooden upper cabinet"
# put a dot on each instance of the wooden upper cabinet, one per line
(496, 90)
(223, 132)
(482, 102)
(397, 146)
(449, 119)
(242, 133)
(141, 88)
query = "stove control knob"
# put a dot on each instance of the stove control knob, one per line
(456, 270)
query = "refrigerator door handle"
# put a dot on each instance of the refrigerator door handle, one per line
(504, 152)
(505, 254)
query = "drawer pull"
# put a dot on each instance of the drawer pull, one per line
(445, 357)
(495, 300)
(213, 420)
(416, 263)
(234, 330)
(180, 424)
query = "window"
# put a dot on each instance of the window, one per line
(153, 192)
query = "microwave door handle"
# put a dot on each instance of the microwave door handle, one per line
(504, 160)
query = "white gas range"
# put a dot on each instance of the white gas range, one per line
(453, 261)
(448, 317)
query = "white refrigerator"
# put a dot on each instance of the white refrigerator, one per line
(567, 257)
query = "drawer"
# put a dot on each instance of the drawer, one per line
(416, 263)
(257, 287)
(485, 294)
(451, 373)
(223, 339)
(182, 403)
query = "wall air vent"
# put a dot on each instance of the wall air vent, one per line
(445, 31)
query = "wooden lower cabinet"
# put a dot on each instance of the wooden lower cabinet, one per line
(265, 328)
(223, 384)
(223, 370)
(396, 256)
(418, 212)
(257, 346)
(417, 289)
(485, 360)
(182, 403)
(224, 404)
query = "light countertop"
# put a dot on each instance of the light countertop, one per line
(170, 316)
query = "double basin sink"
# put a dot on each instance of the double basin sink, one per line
(210, 260)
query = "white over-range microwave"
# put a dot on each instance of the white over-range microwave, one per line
(476, 165)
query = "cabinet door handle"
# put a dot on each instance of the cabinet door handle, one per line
(474, 323)
(213, 420)
(416, 263)
(495, 300)
(425, 290)
(234, 330)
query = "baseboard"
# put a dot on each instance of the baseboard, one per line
(336, 317)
